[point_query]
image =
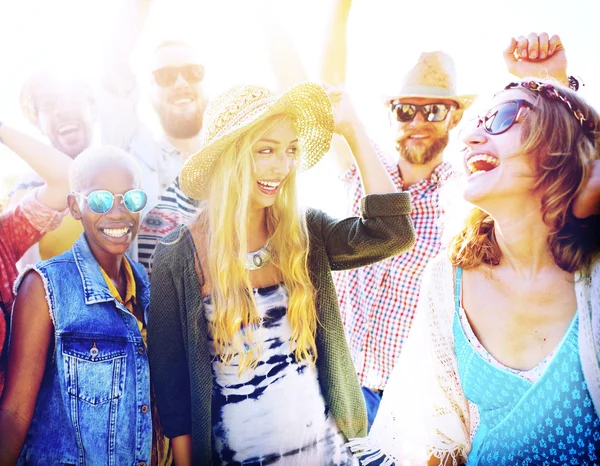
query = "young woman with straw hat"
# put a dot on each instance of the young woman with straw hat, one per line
(247, 347)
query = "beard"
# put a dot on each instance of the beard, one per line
(180, 126)
(421, 154)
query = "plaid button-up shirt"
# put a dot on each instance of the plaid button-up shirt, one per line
(378, 301)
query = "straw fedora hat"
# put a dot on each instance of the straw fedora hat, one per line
(434, 76)
(240, 109)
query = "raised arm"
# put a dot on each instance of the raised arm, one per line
(374, 176)
(117, 75)
(118, 95)
(538, 56)
(283, 55)
(335, 48)
(49, 163)
(545, 57)
(334, 66)
(384, 229)
(587, 202)
(31, 333)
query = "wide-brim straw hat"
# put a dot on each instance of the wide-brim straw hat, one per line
(433, 77)
(243, 107)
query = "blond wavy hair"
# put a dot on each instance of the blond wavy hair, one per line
(561, 153)
(226, 239)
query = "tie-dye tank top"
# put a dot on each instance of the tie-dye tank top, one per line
(274, 413)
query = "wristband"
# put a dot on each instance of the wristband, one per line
(574, 83)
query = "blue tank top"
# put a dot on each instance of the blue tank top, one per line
(551, 421)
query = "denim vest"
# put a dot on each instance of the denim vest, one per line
(93, 407)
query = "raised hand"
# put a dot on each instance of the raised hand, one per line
(538, 56)
(344, 113)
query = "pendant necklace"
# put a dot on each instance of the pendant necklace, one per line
(258, 259)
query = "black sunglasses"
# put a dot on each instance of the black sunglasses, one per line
(502, 117)
(431, 112)
(167, 76)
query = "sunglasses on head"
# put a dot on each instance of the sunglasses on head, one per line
(102, 201)
(167, 76)
(501, 117)
(431, 112)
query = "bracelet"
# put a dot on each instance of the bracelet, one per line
(574, 83)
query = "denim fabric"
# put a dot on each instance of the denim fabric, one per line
(372, 400)
(93, 407)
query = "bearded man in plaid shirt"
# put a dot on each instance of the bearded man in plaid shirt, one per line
(378, 301)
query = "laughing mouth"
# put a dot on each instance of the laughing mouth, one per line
(115, 232)
(270, 187)
(482, 163)
(67, 128)
(182, 100)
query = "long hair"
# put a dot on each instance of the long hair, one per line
(222, 224)
(561, 153)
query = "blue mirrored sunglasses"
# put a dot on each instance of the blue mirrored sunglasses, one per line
(101, 201)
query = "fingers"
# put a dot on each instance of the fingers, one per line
(532, 51)
(543, 44)
(522, 47)
(536, 46)
(555, 45)
(335, 94)
(509, 52)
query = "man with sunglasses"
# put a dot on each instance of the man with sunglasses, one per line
(378, 301)
(176, 90)
(175, 78)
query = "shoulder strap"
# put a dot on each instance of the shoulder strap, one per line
(457, 287)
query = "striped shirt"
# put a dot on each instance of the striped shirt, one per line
(174, 208)
(377, 302)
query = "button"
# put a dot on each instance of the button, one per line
(140, 350)
(142, 463)
(144, 409)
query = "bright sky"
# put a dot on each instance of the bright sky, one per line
(385, 39)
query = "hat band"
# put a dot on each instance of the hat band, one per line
(427, 90)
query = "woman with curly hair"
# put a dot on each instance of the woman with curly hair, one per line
(504, 355)
(246, 343)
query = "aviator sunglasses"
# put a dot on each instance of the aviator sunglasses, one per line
(167, 76)
(102, 201)
(503, 116)
(431, 112)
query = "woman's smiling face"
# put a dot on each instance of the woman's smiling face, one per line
(275, 157)
(496, 167)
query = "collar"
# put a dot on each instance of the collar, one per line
(440, 174)
(94, 284)
(167, 147)
(130, 290)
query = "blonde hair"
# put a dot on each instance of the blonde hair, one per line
(86, 163)
(226, 238)
(561, 153)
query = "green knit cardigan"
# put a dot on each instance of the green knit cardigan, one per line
(178, 332)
